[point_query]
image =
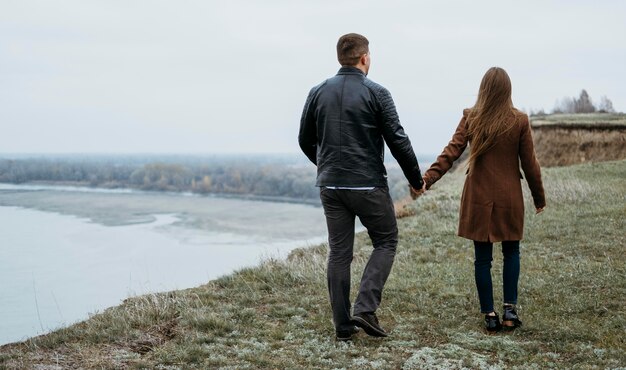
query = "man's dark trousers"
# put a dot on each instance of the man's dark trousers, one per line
(375, 210)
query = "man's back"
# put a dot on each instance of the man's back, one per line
(345, 122)
(349, 144)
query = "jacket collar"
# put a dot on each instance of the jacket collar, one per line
(349, 70)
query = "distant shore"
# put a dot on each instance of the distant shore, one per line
(79, 186)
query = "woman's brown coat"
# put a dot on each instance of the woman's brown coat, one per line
(492, 204)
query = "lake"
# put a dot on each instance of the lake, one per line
(69, 252)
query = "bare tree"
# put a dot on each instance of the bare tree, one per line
(565, 105)
(583, 104)
(606, 105)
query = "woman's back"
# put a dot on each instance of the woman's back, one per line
(492, 204)
(497, 170)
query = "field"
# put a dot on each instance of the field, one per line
(581, 119)
(276, 315)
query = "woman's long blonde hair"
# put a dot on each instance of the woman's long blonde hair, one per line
(492, 114)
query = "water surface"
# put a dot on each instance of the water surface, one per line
(65, 254)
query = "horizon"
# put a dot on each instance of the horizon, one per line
(389, 160)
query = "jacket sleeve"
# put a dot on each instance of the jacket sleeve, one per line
(307, 137)
(530, 165)
(450, 153)
(398, 141)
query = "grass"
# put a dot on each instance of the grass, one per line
(276, 315)
(589, 119)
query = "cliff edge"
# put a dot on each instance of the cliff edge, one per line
(566, 139)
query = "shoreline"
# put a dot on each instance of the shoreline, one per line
(208, 237)
(74, 303)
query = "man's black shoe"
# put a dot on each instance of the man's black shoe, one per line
(346, 335)
(369, 323)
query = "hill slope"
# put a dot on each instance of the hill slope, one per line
(565, 139)
(276, 315)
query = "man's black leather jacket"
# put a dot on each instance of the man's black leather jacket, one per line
(343, 125)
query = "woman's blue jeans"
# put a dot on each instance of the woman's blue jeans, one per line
(483, 252)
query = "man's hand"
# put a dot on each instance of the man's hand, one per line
(416, 193)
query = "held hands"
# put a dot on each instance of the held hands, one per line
(416, 193)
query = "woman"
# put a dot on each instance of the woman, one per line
(492, 205)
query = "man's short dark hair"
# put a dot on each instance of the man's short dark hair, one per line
(350, 48)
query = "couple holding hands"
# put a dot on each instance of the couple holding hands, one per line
(346, 121)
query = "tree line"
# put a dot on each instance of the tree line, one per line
(582, 104)
(275, 177)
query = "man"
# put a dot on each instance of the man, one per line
(344, 125)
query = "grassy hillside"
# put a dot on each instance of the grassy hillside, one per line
(276, 315)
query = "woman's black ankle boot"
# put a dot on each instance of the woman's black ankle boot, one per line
(492, 323)
(510, 320)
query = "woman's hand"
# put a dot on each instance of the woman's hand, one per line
(539, 210)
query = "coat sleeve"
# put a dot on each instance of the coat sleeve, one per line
(530, 165)
(398, 141)
(450, 153)
(307, 137)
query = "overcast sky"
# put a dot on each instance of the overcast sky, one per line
(232, 76)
